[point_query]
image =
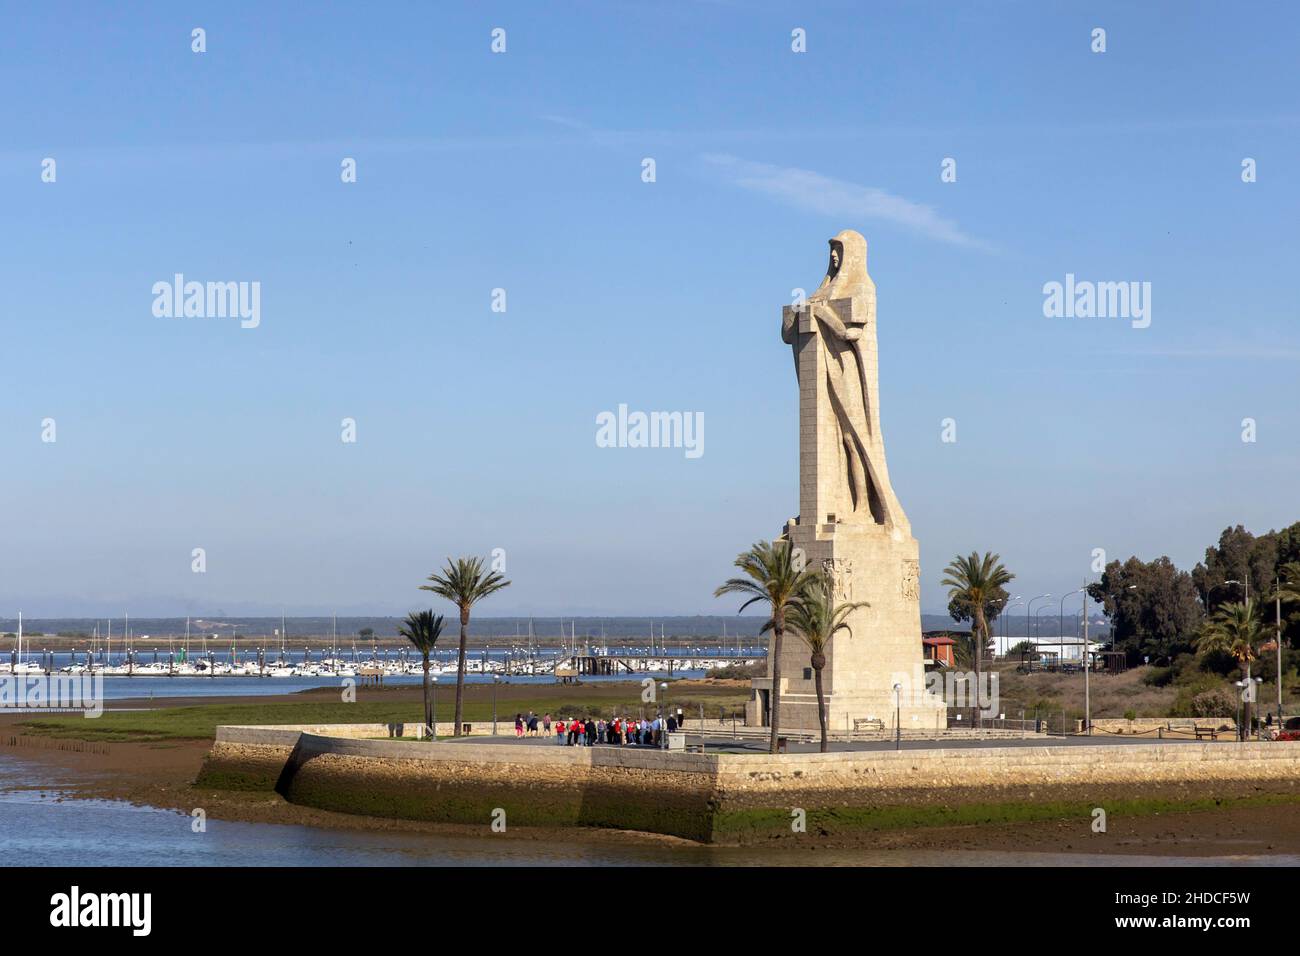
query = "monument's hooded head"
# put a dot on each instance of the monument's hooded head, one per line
(847, 272)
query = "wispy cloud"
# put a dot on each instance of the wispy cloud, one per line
(1228, 351)
(814, 192)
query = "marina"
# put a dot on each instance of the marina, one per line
(213, 655)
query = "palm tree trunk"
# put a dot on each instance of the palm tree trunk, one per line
(777, 631)
(460, 671)
(821, 702)
(428, 714)
(977, 637)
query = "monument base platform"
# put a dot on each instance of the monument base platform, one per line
(880, 566)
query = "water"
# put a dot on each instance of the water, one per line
(148, 688)
(42, 827)
(550, 629)
(151, 687)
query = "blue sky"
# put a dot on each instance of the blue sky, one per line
(522, 171)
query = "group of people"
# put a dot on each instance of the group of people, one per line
(588, 731)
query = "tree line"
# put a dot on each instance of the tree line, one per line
(1158, 611)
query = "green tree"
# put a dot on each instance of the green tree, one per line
(1239, 557)
(977, 581)
(775, 576)
(1152, 606)
(1286, 588)
(816, 618)
(464, 582)
(423, 628)
(1234, 629)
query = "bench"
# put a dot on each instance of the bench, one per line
(1203, 732)
(868, 723)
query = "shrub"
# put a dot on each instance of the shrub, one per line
(1130, 714)
(1197, 698)
(1213, 703)
(1158, 676)
(1186, 668)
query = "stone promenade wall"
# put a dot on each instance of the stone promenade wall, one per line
(1170, 726)
(730, 797)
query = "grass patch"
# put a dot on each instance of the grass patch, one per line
(742, 824)
(200, 721)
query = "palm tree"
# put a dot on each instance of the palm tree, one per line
(817, 619)
(422, 628)
(775, 576)
(976, 580)
(1234, 629)
(464, 583)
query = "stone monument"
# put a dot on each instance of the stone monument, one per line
(850, 522)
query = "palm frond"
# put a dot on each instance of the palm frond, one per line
(422, 628)
(464, 583)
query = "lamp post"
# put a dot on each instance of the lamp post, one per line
(1060, 623)
(1277, 590)
(1038, 616)
(1028, 608)
(1006, 621)
(1006, 632)
(1087, 666)
(433, 687)
(898, 712)
(496, 679)
(1113, 626)
(663, 721)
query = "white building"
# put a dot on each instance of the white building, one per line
(1066, 648)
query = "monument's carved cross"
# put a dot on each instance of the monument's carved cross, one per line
(850, 521)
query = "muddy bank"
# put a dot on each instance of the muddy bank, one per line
(163, 775)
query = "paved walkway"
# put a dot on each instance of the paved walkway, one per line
(728, 745)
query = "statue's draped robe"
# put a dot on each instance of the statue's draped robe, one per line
(864, 494)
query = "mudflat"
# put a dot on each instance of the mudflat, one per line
(161, 773)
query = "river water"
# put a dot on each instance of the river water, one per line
(44, 827)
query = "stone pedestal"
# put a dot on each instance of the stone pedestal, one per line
(880, 566)
(850, 522)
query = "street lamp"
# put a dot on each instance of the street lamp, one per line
(433, 686)
(1113, 630)
(1277, 590)
(496, 679)
(1038, 615)
(1060, 620)
(1214, 587)
(1006, 632)
(897, 717)
(663, 721)
(1028, 608)
(1006, 621)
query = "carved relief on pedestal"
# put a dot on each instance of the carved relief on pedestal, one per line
(841, 575)
(911, 580)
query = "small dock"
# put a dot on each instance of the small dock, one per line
(610, 665)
